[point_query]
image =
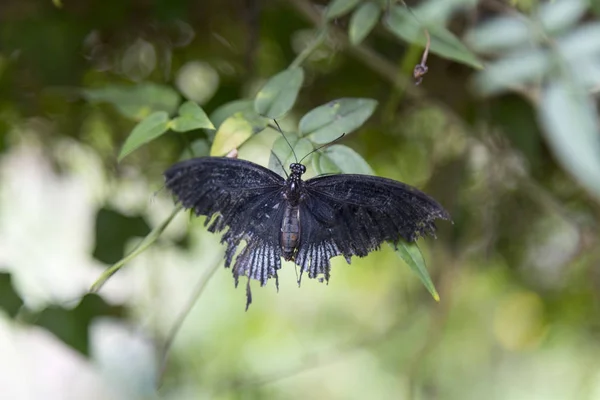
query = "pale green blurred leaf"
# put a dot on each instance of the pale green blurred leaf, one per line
(136, 102)
(443, 42)
(228, 109)
(139, 60)
(583, 43)
(439, 11)
(363, 20)
(570, 121)
(191, 116)
(561, 14)
(197, 81)
(284, 153)
(499, 34)
(345, 160)
(235, 130)
(149, 129)
(327, 122)
(279, 94)
(337, 8)
(513, 70)
(411, 255)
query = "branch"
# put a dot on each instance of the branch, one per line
(362, 53)
(140, 248)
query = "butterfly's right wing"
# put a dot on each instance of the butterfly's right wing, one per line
(245, 197)
(351, 215)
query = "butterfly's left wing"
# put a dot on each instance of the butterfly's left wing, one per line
(242, 196)
(353, 214)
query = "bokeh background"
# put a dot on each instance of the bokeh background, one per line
(512, 151)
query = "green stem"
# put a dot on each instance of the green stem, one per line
(304, 54)
(140, 248)
(193, 299)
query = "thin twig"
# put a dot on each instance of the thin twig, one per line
(308, 50)
(140, 248)
(204, 279)
(364, 54)
(421, 69)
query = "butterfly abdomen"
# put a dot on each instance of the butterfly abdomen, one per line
(290, 231)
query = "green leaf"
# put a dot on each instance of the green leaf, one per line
(443, 42)
(582, 45)
(327, 122)
(438, 12)
(228, 109)
(562, 14)
(344, 159)
(113, 231)
(10, 301)
(337, 8)
(149, 129)
(191, 117)
(235, 130)
(363, 20)
(284, 154)
(515, 69)
(71, 325)
(136, 102)
(198, 148)
(500, 34)
(411, 255)
(279, 94)
(569, 118)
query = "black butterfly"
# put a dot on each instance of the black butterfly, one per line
(307, 222)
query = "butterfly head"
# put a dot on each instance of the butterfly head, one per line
(297, 169)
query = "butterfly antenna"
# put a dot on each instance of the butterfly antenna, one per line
(324, 145)
(287, 141)
(155, 194)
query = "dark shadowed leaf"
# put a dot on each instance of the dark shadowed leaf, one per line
(363, 20)
(327, 122)
(411, 255)
(113, 230)
(235, 130)
(136, 102)
(443, 42)
(337, 8)
(10, 301)
(71, 325)
(191, 116)
(279, 94)
(150, 128)
(569, 118)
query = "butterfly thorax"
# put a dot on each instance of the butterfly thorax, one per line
(290, 226)
(293, 189)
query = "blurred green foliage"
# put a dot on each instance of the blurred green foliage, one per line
(503, 131)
